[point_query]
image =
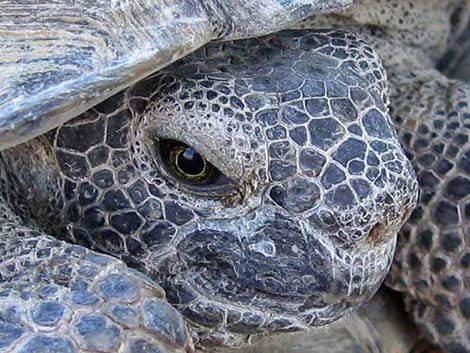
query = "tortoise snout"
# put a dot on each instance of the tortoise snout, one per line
(361, 198)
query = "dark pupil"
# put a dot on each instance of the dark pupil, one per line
(190, 162)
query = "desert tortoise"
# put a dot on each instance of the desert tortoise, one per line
(260, 182)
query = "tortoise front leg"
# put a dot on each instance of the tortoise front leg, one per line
(61, 298)
(432, 115)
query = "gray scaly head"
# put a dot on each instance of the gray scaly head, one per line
(260, 182)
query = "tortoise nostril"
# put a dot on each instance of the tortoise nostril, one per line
(296, 195)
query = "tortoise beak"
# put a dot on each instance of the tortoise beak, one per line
(277, 268)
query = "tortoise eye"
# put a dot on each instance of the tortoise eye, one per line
(184, 164)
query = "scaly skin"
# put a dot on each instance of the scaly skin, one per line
(432, 116)
(302, 234)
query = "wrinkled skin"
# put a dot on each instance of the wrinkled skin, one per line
(300, 232)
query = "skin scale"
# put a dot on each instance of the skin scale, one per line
(432, 322)
(292, 112)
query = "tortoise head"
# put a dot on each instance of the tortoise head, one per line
(260, 181)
